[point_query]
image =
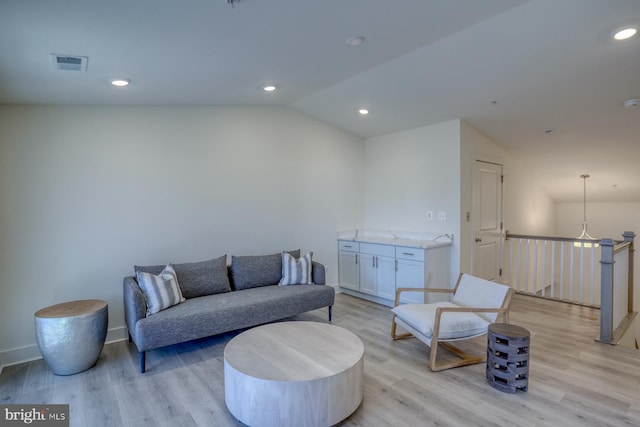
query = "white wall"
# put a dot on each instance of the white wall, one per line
(411, 172)
(430, 168)
(527, 207)
(87, 192)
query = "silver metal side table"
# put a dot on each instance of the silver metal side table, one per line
(71, 335)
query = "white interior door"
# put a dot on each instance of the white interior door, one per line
(487, 220)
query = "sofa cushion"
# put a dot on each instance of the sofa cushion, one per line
(257, 270)
(215, 314)
(160, 291)
(296, 271)
(198, 278)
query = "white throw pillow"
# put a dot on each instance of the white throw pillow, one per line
(161, 291)
(296, 271)
(452, 325)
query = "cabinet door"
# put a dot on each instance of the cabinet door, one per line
(368, 274)
(386, 277)
(410, 274)
(349, 270)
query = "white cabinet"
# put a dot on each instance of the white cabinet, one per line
(378, 275)
(349, 265)
(374, 270)
(386, 277)
(377, 270)
(410, 274)
(368, 273)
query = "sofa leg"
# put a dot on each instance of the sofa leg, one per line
(142, 361)
(330, 312)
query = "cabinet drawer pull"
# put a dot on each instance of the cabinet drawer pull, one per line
(408, 253)
(396, 265)
(348, 246)
(356, 258)
(373, 262)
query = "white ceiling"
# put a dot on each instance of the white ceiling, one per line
(549, 64)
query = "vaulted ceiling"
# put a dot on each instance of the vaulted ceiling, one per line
(512, 69)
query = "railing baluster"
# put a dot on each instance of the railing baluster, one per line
(571, 275)
(581, 283)
(526, 265)
(511, 278)
(593, 275)
(562, 246)
(544, 266)
(535, 266)
(553, 269)
(519, 263)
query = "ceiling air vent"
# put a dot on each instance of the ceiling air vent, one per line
(69, 62)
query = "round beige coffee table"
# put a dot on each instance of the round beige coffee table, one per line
(294, 374)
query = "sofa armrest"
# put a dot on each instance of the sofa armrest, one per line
(317, 273)
(135, 306)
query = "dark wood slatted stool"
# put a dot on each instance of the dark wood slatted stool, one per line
(508, 357)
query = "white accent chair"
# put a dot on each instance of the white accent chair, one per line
(475, 304)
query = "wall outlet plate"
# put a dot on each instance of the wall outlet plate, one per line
(442, 216)
(429, 215)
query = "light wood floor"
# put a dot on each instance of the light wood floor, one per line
(574, 381)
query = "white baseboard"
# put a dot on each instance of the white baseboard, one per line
(27, 353)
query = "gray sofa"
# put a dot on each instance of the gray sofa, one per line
(221, 298)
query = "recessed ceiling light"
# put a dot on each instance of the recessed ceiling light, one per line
(363, 111)
(355, 41)
(269, 88)
(120, 82)
(632, 103)
(625, 33)
(549, 131)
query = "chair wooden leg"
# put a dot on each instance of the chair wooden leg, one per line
(465, 358)
(394, 335)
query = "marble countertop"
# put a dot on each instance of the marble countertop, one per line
(424, 244)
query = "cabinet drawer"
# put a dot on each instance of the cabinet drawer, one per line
(404, 252)
(376, 249)
(348, 245)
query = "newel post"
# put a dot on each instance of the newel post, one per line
(606, 290)
(628, 237)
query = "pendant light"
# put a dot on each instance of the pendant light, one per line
(585, 234)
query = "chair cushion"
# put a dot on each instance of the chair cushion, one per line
(475, 292)
(452, 325)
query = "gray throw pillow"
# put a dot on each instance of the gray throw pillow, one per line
(257, 270)
(160, 291)
(296, 271)
(197, 279)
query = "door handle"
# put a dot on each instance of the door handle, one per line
(478, 240)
